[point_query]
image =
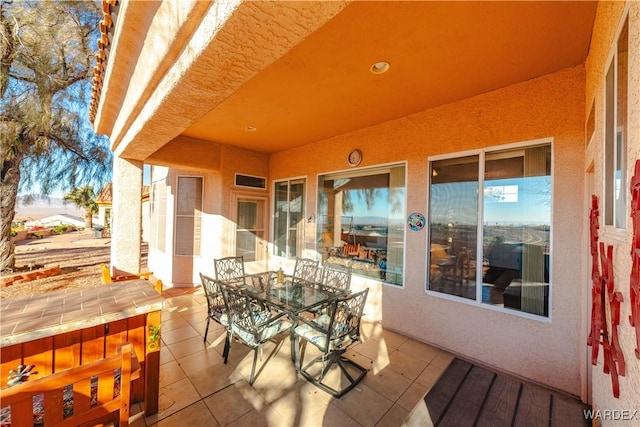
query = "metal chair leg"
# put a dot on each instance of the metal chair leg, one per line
(253, 368)
(298, 347)
(334, 358)
(206, 330)
(227, 348)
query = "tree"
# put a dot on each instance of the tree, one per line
(84, 198)
(46, 57)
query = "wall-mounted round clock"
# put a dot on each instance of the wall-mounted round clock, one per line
(355, 157)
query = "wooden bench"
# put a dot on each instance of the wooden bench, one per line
(107, 278)
(351, 250)
(88, 405)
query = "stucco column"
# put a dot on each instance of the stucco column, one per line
(126, 215)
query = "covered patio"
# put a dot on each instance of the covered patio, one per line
(197, 388)
(451, 153)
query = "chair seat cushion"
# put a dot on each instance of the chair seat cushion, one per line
(223, 319)
(319, 339)
(339, 328)
(254, 339)
(220, 317)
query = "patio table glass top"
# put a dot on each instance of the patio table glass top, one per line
(292, 295)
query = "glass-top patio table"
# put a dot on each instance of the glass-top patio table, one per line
(292, 295)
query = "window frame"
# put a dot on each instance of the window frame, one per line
(197, 238)
(262, 187)
(300, 240)
(363, 172)
(158, 215)
(611, 130)
(481, 153)
(240, 196)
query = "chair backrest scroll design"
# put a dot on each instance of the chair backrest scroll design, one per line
(336, 276)
(305, 269)
(213, 292)
(229, 268)
(346, 314)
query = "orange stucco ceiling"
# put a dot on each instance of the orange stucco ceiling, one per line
(439, 52)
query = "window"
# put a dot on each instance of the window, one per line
(188, 215)
(616, 102)
(361, 221)
(107, 219)
(158, 214)
(288, 218)
(489, 227)
(250, 181)
(250, 228)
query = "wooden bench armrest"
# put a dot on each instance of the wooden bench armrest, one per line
(53, 388)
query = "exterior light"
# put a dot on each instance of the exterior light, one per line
(380, 67)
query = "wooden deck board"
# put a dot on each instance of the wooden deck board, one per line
(445, 389)
(469, 395)
(468, 401)
(567, 412)
(534, 406)
(501, 402)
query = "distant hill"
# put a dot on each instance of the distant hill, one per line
(31, 207)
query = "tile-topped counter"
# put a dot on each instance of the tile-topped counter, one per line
(67, 328)
(42, 315)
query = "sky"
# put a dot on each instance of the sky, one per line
(506, 201)
(58, 194)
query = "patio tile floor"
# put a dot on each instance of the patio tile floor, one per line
(197, 388)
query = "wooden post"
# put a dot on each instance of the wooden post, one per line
(152, 358)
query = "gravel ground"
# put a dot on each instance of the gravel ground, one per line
(78, 254)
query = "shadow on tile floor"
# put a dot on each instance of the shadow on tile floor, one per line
(197, 388)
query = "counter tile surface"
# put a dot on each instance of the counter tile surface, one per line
(41, 315)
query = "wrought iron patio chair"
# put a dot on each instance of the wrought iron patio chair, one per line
(336, 275)
(216, 308)
(306, 270)
(332, 333)
(252, 324)
(229, 269)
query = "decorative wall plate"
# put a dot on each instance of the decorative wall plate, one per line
(416, 221)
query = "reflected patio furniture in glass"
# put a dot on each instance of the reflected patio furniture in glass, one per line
(332, 333)
(351, 250)
(252, 323)
(216, 308)
(457, 268)
(305, 269)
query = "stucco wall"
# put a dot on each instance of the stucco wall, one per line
(177, 271)
(551, 106)
(608, 20)
(218, 215)
(126, 216)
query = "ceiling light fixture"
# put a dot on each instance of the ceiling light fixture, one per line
(251, 129)
(380, 67)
